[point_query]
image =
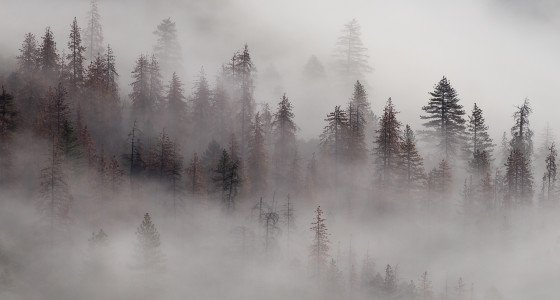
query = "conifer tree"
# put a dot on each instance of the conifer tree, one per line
(160, 157)
(412, 163)
(55, 113)
(351, 60)
(111, 75)
(93, 34)
(195, 178)
(284, 130)
(518, 180)
(319, 250)
(478, 139)
(167, 48)
(176, 107)
(48, 59)
(460, 292)
(333, 138)
(148, 254)
(221, 111)
(390, 281)
(442, 178)
(134, 157)
(75, 58)
(550, 174)
(313, 69)
(8, 124)
(504, 149)
(257, 160)
(201, 109)
(155, 90)
(227, 181)
(116, 175)
(480, 163)
(209, 161)
(28, 57)
(425, 287)
(445, 119)
(522, 135)
(142, 105)
(387, 149)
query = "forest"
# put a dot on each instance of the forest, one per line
(136, 184)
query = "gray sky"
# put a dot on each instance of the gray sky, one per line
(494, 52)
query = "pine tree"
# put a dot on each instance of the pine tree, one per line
(360, 121)
(160, 157)
(412, 163)
(8, 124)
(167, 48)
(460, 290)
(284, 131)
(425, 287)
(55, 113)
(221, 111)
(142, 105)
(504, 149)
(176, 107)
(149, 255)
(319, 250)
(314, 69)
(201, 109)
(155, 83)
(116, 175)
(480, 163)
(28, 57)
(522, 135)
(390, 281)
(478, 139)
(445, 119)
(111, 75)
(93, 34)
(550, 174)
(387, 149)
(209, 161)
(195, 179)
(333, 139)
(443, 177)
(351, 60)
(48, 59)
(547, 138)
(227, 181)
(75, 58)
(518, 180)
(257, 159)
(134, 157)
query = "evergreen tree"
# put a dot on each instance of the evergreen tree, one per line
(201, 109)
(142, 105)
(518, 180)
(351, 59)
(425, 291)
(93, 34)
(160, 158)
(221, 111)
(522, 135)
(75, 58)
(547, 139)
(333, 139)
(387, 149)
(478, 139)
(412, 163)
(480, 163)
(460, 292)
(148, 254)
(28, 57)
(176, 106)
(550, 173)
(195, 179)
(155, 90)
(442, 178)
(48, 59)
(209, 161)
(227, 180)
(116, 175)
(314, 69)
(284, 130)
(8, 124)
(445, 119)
(319, 250)
(167, 48)
(390, 281)
(257, 160)
(111, 75)
(134, 157)
(504, 148)
(55, 113)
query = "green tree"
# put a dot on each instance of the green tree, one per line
(412, 163)
(148, 251)
(477, 134)
(387, 149)
(49, 61)
(518, 180)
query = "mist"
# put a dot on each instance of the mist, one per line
(256, 150)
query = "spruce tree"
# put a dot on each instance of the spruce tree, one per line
(195, 178)
(518, 180)
(209, 161)
(176, 107)
(8, 124)
(333, 140)
(148, 252)
(319, 250)
(142, 105)
(226, 179)
(28, 57)
(111, 75)
(48, 59)
(411, 162)
(477, 134)
(387, 147)
(116, 175)
(351, 60)
(550, 173)
(445, 125)
(284, 131)
(201, 109)
(522, 135)
(155, 83)
(257, 159)
(167, 48)
(75, 58)
(93, 34)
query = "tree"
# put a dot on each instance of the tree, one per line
(116, 175)
(547, 138)
(160, 157)
(134, 157)
(390, 281)
(445, 119)
(142, 105)
(93, 35)
(257, 160)
(227, 180)
(522, 135)
(111, 75)
(209, 161)
(313, 69)
(221, 111)
(442, 177)
(148, 251)
(425, 287)
(550, 174)
(361, 120)
(48, 59)
(350, 55)
(55, 113)
(28, 57)
(75, 57)
(333, 142)
(319, 250)
(201, 109)
(271, 219)
(176, 107)
(460, 289)
(411, 162)
(167, 48)
(518, 180)
(8, 124)
(155, 83)
(284, 131)
(478, 139)
(195, 179)
(387, 149)
(480, 163)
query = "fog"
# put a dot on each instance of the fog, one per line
(476, 239)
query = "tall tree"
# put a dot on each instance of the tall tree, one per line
(28, 57)
(148, 251)
(111, 75)
(412, 163)
(319, 250)
(49, 61)
(313, 70)
(155, 90)
(209, 161)
(425, 287)
(333, 138)
(8, 124)
(195, 178)
(522, 135)
(445, 119)
(201, 109)
(549, 179)
(350, 55)
(142, 105)
(387, 149)
(93, 34)
(477, 134)
(257, 160)
(75, 58)
(167, 48)
(518, 180)
(227, 181)
(284, 130)
(116, 175)
(176, 107)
